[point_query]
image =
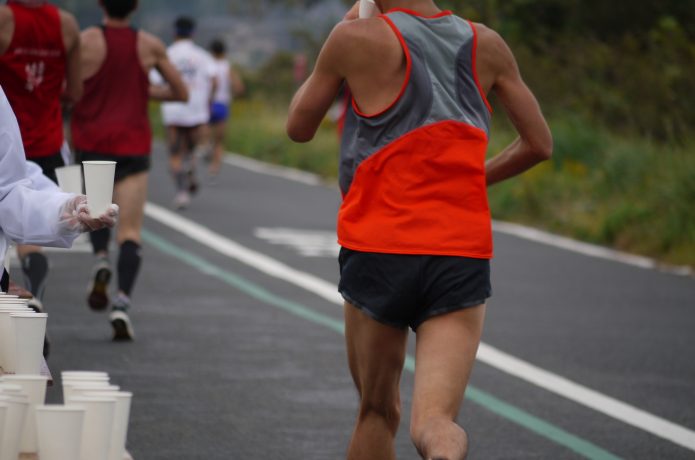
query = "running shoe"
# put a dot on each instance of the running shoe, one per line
(98, 298)
(120, 321)
(181, 200)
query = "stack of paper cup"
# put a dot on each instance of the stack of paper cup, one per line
(59, 430)
(89, 389)
(34, 387)
(8, 346)
(16, 404)
(98, 179)
(70, 179)
(98, 425)
(29, 332)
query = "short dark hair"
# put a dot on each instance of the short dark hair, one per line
(119, 9)
(184, 26)
(217, 47)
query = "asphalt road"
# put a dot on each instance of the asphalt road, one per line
(231, 363)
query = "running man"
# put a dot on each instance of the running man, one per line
(39, 69)
(186, 122)
(414, 225)
(229, 85)
(111, 123)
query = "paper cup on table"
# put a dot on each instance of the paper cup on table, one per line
(78, 374)
(70, 179)
(119, 433)
(34, 387)
(8, 348)
(14, 421)
(82, 388)
(29, 332)
(98, 423)
(98, 180)
(3, 415)
(59, 430)
(13, 300)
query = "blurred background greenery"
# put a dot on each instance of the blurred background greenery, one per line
(615, 80)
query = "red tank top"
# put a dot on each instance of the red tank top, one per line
(111, 118)
(32, 72)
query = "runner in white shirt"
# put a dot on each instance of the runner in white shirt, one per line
(33, 210)
(185, 121)
(229, 85)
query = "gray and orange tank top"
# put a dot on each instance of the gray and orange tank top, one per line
(413, 175)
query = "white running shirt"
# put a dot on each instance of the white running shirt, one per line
(223, 94)
(197, 68)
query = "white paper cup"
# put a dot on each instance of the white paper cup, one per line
(70, 179)
(13, 300)
(82, 389)
(34, 386)
(98, 423)
(14, 421)
(8, 348)
(65, 374)
(119, 433)
(98, 179)
(11, 389)
(29, 332)
(3, 416)
(59, 430)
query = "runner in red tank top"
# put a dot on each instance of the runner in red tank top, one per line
(414, 224)
(111, 123)
(39, 66)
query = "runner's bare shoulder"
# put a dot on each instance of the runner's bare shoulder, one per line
(6, 27)
(493, 56)
(70, 28)
(364, 43)
(150, 42)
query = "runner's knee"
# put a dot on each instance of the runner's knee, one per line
(387, 410)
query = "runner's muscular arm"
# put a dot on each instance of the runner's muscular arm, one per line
(499, 72)
(6, 28)
(73, 76)
(176, 89)
(313, 99)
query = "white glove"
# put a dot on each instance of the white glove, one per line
(75, 216)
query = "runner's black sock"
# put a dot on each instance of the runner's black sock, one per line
(35, 268)
(181, 178)
(100, 240)
(4, 280)
(128, 266)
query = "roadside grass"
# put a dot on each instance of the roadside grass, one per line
(632, 194)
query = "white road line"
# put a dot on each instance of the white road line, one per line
(489, 355)
(250, 164)
(520, 231)
(586, 249)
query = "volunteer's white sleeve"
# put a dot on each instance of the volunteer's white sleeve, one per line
(30, 208)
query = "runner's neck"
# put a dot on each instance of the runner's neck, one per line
(116, 23)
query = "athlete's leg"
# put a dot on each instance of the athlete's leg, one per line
(218, 134)
(176, 153)
(376, 353)
(445, 352)
(35, 269)
(130, 195)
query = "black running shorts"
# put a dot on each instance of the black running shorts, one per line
(125, 165)
(405, 290)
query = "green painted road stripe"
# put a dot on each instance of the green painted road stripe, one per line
(488, 401)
